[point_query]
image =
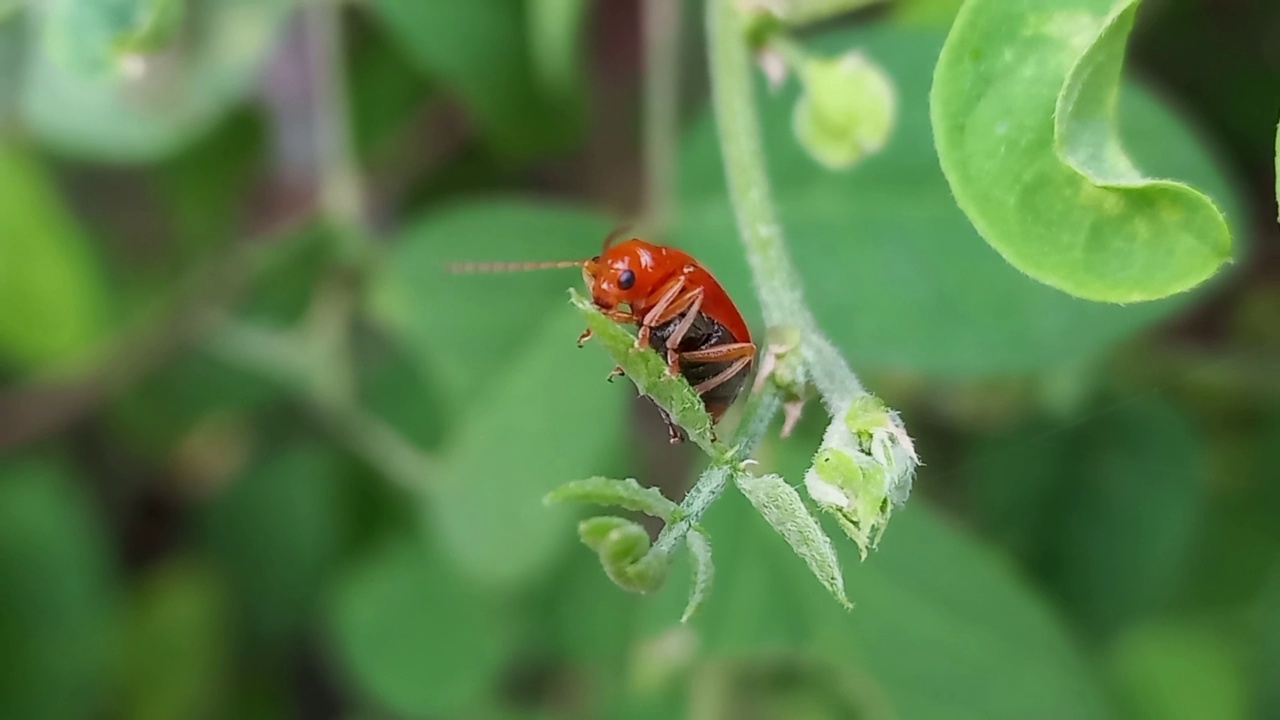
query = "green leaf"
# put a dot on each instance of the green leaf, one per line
(533, 428)
(782, 507)
(414, 636)
(1131, 510)
(91, 37)
(178, 641)
(648, 371)
(1278, 167)
(893, 270)
(9, 6)
(51, 286)
(479, 49)
(627, 494)
(1178, 672)
(703, 573)
(178, 96)
(1023, 107)
(56, 596)
(278, 531)
(461, 328)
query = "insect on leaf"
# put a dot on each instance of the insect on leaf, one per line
(1023, 108)
(649, 373)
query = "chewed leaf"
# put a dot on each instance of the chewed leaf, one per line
(1023, 107)
(781, 505)
(649, 373)
(626, 494)
(703, 572)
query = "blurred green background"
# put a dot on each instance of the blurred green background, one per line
(261, 458)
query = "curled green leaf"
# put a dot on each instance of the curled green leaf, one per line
(1023, 108)
(649, 373)
(623, 547)
(846, 111)
(627, 494)
(781, 505)
(703, 572)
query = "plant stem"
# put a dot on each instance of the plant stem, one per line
(777, 283)
(733, 97)
(341, 188)
(662, 110)
(761, 408)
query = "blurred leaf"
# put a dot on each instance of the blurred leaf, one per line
(537, 426)
(91, 36)
(415, 637)
(893, 270)
(56, 596)
(461, 328)
(1131, 512)
(397, 392)
(178, 95)
(51, 287)
(1023, 105)
(555, 46)
(9, 6)
(178, 645)
(385, 92)
(156, 414)
(502, 350)
(1278, 166)
(278, 531)
(1016, 482)
(1174, 672)
(205, 182)
(479, 49)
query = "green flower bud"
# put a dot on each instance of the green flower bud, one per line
(847, 110)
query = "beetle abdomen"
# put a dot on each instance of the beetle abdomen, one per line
(705, 332)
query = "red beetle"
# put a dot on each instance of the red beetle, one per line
(681, 309)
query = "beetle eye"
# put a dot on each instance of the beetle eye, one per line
(626, 280)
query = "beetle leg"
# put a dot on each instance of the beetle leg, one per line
(584, 337)
(659, 311)
(617, 371)
(728, 351)
(673, 342)
(719, 379)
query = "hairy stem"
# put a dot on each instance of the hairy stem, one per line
(341, 187)
(761, 408)
(662, 110)
(776, 281)
(733, 98)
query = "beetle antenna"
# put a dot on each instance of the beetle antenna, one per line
(471, 268)
(615, 235)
